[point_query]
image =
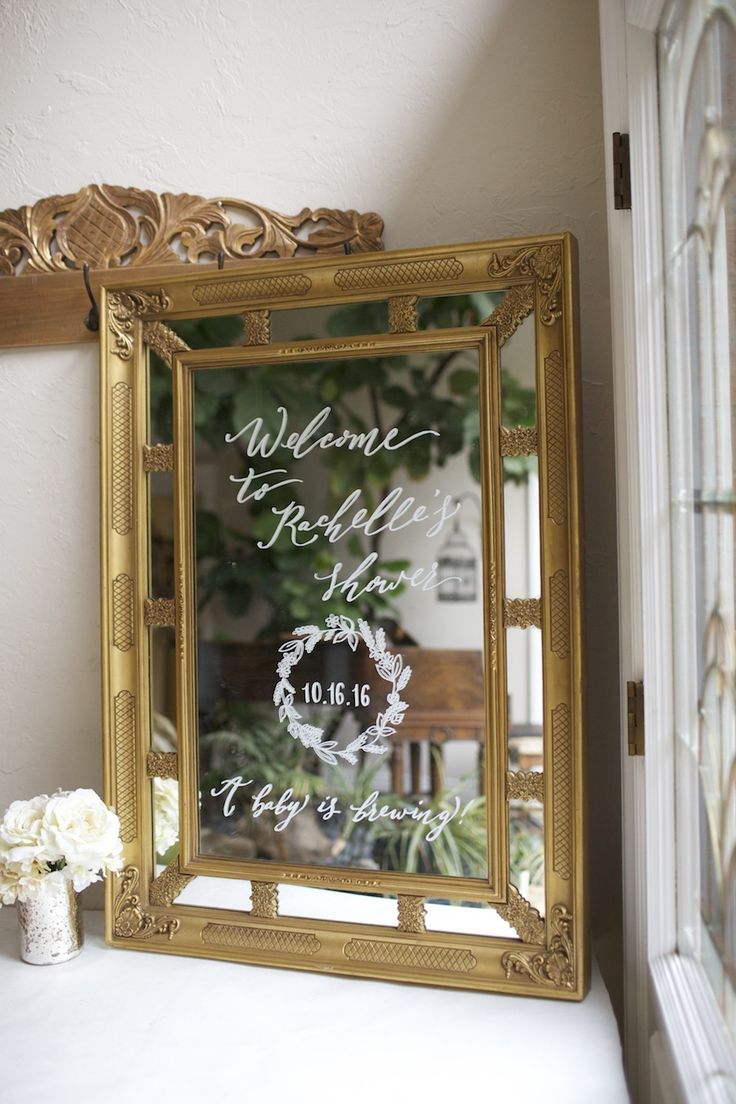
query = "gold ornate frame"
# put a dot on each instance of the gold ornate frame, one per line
(550, 956)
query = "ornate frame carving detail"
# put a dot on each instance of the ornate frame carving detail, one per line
(555, 965)
(274, 940)
(402, 314)
(122, 612)
(519, 441)
(166, 886)
(411, 914)
(162, 764)
(522, 613)
(163, 341)
(130, 921)
(121, 402)
(159, 611)
(525, 786)
(522, 916)
(125, 778)
(257, 327)
(516, 305)
(158, 458)
(264, 898)
(419, 956)
(544, 264)
(124, 308)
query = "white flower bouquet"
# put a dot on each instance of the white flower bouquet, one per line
(70, 836)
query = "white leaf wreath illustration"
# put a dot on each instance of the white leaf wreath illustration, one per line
(389, 666)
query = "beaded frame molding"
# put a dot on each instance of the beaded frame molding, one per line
(548, 955)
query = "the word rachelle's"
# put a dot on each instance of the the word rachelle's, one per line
(394, 512)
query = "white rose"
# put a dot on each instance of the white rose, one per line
(81, 829)
(21, 835)
(165, 814)
(21, 882)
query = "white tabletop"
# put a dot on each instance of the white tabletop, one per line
(115, 1027)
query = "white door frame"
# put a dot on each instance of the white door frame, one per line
(675, 1044)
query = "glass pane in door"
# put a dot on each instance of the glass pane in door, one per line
(697, 55)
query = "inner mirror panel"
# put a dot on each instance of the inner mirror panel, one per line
(338, 512)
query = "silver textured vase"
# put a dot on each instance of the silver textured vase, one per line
(50, 925)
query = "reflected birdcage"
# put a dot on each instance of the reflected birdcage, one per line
(457, 568)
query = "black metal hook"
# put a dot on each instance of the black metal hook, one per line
(221, 259)
(92, 321)
(347, 247)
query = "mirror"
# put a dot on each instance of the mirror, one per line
(362, 626)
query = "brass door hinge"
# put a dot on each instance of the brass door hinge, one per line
(635, 716)
(621, 172)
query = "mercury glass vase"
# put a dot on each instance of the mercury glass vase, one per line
(50, 925)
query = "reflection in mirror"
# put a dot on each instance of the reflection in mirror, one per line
(330, 904)
(165, 811)
(524, 655)
(164, 791)
(341, 702)
(466, 918)
(445, 311)
(526, 850)
(161, 506)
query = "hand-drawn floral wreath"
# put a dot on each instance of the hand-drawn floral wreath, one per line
(389, 666)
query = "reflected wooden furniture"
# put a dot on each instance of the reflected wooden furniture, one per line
(446, 703)
(445, 695)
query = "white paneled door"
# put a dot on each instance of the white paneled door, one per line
(669, 79)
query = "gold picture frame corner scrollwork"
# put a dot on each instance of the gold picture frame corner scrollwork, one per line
(531, 281)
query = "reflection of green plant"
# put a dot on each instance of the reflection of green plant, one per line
(441, 395)
(248, 741)
(526, 850)
(460, 849)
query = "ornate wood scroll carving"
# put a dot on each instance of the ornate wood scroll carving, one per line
(420, 956)
(166, 887)
(411, 914)
(164, 342)
(544, 263)
(522, 613)
(124, 308)
(402, 314)
(158, 458)
(257, 327)
(516, 305)
(162, 764)
(159, 611)
(130, 921)
(523, 917)
(122, 458)
(554, 966)
(125, 787)
(562, 790)
(264, 898)
(107, 226)
(122, 612)
(519, 441)
(285, 941)
(525, 785)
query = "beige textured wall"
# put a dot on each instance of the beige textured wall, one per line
(455, 119)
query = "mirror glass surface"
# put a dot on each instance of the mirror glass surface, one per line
(341, 702)
(251, 599)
